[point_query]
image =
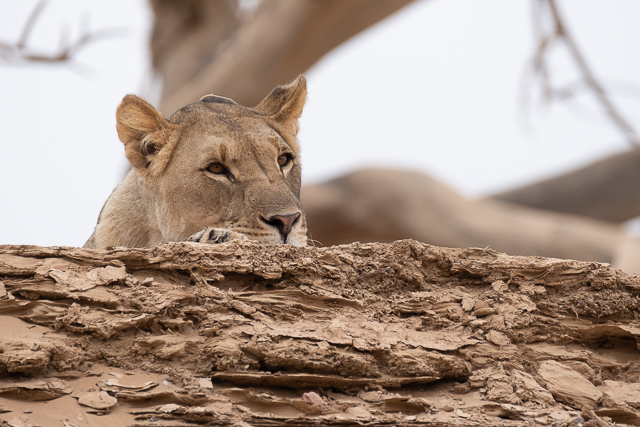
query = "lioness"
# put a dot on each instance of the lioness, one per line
(214, 171)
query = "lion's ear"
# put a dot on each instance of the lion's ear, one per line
(284, 104)
(147, 135)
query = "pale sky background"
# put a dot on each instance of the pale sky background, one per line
(434, 88)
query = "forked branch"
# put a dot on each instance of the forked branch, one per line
(556, 32)
(21, 52)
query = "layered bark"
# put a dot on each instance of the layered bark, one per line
(363, 333)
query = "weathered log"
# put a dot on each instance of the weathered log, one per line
(362, 333)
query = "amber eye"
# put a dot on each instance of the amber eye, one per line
(217, 168)
(284, 159)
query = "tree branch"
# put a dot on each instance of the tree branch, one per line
(26, 32)
(559, 33)
(607, 190)
(20, 51)
(188, 35)
(276, 43)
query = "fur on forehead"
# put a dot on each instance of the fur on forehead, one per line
(281, 108)
(234, 119)
(262, 146)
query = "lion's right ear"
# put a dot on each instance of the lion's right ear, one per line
(284, 104)
(148, 137)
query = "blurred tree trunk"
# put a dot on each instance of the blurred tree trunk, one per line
(608, 190)
(187, 36)
(385, 205)
(201, 46)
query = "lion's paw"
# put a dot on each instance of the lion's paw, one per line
(215, 235)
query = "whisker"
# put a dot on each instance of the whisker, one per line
(315, 243)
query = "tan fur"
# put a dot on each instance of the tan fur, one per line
(170, 195)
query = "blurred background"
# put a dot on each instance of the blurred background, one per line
(447, 121)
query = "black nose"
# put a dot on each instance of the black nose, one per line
(283, 223)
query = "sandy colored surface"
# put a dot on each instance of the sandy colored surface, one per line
(361, 334)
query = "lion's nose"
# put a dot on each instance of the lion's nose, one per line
(283, 223)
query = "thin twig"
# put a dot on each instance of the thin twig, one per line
(21, 52)
(595, 86)
(558, 33)
(26, 32)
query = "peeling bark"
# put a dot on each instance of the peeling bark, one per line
(379, 333)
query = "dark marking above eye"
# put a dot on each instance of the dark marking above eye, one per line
(215, 99)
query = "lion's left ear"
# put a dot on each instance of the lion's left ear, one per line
(284, 104)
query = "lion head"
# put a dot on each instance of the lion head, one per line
(212, 164)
